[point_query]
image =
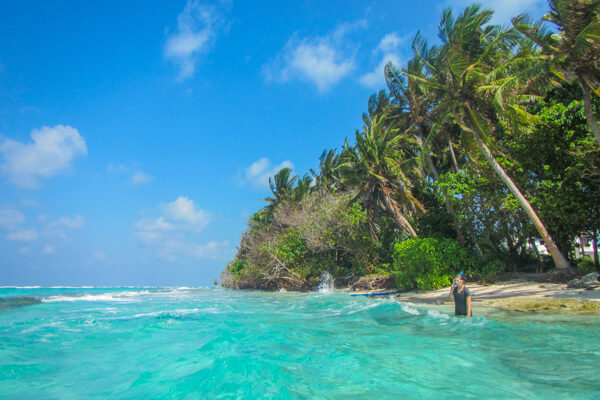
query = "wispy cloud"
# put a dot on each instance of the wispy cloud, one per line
(322, 60)
(57, 229)
(10, 218)
(137, 177)
(197, 27)
(48, 250)
(50, 153)
(387, 50)
(27, 235)
(504, 9)
(258, 173)
(170, 236)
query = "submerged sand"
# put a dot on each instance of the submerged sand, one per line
(518, 296)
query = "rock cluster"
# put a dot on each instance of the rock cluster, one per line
(374, 282)
(589, 281)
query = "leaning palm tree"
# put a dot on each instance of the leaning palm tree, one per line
(573, 52)
(466, 82)
(413, 105)
(378, 166)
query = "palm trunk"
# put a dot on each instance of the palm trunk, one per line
(595, 247)
(454, 162)
(559, 259)
(436, 175)
(587, 110)
(401, 221)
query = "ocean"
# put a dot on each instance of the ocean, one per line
(209, 343)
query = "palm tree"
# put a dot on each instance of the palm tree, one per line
(413, 105)
(377, 166)
(459, 83)
(328, 175)
(575, 51)
(282, 186)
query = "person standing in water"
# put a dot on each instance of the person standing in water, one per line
(462, 296)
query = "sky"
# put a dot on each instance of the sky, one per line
(137, 137)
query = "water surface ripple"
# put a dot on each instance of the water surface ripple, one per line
(196, 343)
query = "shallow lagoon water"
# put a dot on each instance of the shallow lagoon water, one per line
(196, 343)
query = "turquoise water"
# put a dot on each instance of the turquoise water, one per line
(183, 343)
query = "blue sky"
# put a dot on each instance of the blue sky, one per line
(137, 137)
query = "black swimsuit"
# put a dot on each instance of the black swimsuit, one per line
(460, 301)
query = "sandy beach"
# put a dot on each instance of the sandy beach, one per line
(519, 296)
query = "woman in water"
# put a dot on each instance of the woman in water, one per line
(462, 296)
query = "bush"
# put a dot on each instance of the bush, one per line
(587, 265)
(428, 263)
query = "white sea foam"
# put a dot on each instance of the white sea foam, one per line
(370, 305)
(20, 287)
(408, 308)
(116, 297)
(326, 285)
(437, 315)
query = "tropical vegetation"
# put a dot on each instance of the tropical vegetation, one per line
(482, 147)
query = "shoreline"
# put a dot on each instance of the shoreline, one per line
(518, 295)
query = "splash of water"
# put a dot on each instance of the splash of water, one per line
(326, 285)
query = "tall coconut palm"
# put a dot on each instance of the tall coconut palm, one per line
(460, 78)
(573, 52)
(378, 166)
(413, 105)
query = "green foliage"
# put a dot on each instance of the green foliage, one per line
(421, 166)
(236, 266)
(428, 263)
(587, 264)
(561, 174)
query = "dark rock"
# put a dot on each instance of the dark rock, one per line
(374, 282)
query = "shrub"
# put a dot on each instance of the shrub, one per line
(428, 263)
(587, 265)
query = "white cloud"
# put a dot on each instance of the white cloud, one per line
(171, 235)
(504, 10)
(179, 215)
(212, 250)
(58, 228)
(48, 250)
(323, 60)
(10, 218)
(376, 78)
(28, 235)
(24, 250)
(258, 173)
(51, 152)
(150, 224)
(183, 210)
(197, 27)
(388, 50)
(139, 178)
(70, 223)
